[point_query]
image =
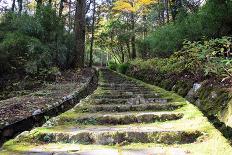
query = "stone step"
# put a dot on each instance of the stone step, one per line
(75, 149)
(125, 89)
(119, 118)
(114, 135)
(124, 92)
(117, 85)
(125, 107)
(125, 96)
(104, 101)
(128, 92)
(119, 82)
(131, 101)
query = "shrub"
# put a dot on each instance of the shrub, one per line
(199, 58)
(112, 65)
(122, 68)
(34, 43)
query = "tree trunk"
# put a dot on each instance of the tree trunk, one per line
(13, 6)
(92, 35)
(50, 2)
(128, 49)
(69, 16)
(39, 4)
(61, 7)
(133, 55)
(20, 4)
(167, 9)
(163, 12)
(79, 34)
(123, 55)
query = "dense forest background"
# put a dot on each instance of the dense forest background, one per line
(40, 37)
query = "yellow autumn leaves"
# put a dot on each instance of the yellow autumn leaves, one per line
(132, 6)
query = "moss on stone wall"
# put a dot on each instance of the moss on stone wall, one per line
(211, 99)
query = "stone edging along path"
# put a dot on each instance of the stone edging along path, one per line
(124, 116)
(9, 130)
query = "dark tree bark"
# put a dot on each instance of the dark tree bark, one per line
(13, 6)
(61, 7)
(92, 35)
(69, 16)
(39, 4)
(20, 4)
(128, 49)
(133, 55)
(122, 53)
(50, 2)
(167, 10)
(79, 34)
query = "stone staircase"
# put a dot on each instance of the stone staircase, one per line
(124, 117)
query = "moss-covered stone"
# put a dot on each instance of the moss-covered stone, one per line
(126, 127)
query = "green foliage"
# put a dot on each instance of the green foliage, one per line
(34, 43)
(122, 68)
(212, 20)
(112, 65)
(198, 58)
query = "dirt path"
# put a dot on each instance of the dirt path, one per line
(124, 117)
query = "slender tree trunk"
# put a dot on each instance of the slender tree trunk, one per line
(163, 12)
(159, 21)
(61, 7)
(167, 10)
(133, 55)
(79, 34)
(13, 6)
(39, 4)
(20, 4)
(50, 2)
(92, 35)
(144, 27)
(123, 56)
(128, 49)
(69, 16)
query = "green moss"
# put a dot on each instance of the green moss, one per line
(182, 87)
(167, 84)
(213, 100)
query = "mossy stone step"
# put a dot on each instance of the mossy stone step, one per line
(118, 85)
(126, 96)
(111, 136)
(116, 79)
(104, 101)
(118, 118)
(125, 89)
(130, 101)
(74, 149)
(124, 124)
(125, 107)
(124, 92)
(128, 92)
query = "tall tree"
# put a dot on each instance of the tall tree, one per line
(13, 6)
(20, 4)
(61, 7)
(39, 4)
(134, 8)
(79, 34)
(92, 34)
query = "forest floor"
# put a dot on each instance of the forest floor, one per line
(124, 116)
(41, 97)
